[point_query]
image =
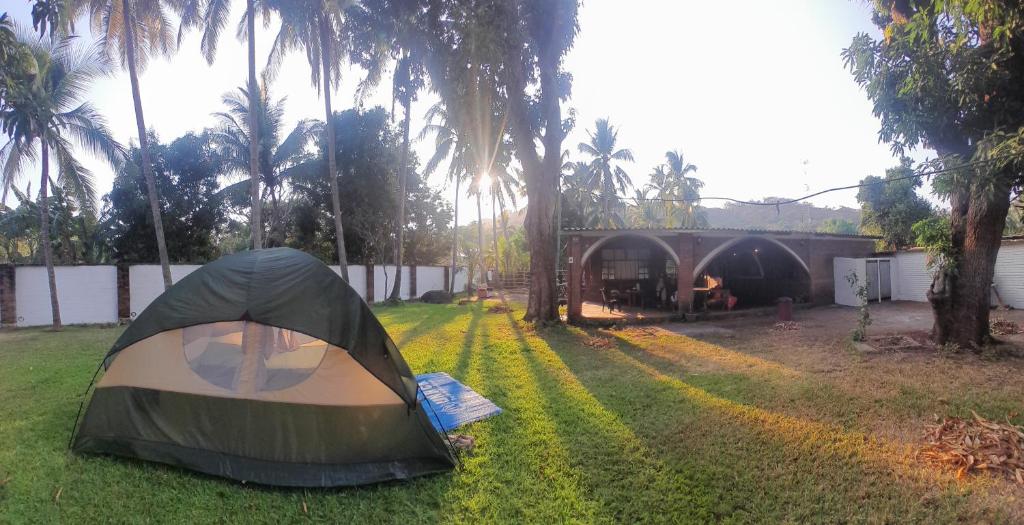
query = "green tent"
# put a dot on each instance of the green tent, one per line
(263, 366)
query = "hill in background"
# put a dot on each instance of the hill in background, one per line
(800, 216)
(795, 217)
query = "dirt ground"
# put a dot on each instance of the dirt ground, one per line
(891, 395)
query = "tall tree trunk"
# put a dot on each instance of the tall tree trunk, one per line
(504, 234)
(332, 164)
(44, 233)
(256, 219)
(403, 175)
(494, 236)
(140, 123)
(541, 174)
(961, 296)
(480, 238)
(455, 238)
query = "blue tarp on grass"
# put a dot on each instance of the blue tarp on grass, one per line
(454, 403)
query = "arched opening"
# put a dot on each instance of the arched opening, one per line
(636, 271)
(748, 273)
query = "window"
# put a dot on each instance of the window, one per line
(243, 356)
(625, 264)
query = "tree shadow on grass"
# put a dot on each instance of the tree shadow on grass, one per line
(737, 462)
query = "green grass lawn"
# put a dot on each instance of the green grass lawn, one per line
(598, 427)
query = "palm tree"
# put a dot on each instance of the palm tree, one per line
(47, 112)
(314, 26)
(448, 144)
(679, 193)
(645, 213)
(606, 178)
(577, 197)
(276, 157)
(133, 31)
(211, 16)
(504, 186)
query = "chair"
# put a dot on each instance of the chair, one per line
(609, 302)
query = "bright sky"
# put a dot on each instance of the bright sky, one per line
(756, 95)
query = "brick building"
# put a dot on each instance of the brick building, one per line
(684, 270)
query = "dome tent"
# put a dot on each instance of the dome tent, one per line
(263, 366)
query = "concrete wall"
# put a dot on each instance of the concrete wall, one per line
(87, 294)
(429, 278)
(146, 283)
(90, 294)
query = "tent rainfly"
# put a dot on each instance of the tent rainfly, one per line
(263, 366)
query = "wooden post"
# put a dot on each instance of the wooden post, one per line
(684, 273)
(412, 282)
(8, 305)
(447, 278)
(124, 292)
(369, 284)
(575, 261)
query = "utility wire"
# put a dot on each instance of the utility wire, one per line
(822, 192)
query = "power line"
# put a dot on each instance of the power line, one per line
(822, 192)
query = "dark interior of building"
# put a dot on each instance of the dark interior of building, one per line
(751, 273)
(637, 271)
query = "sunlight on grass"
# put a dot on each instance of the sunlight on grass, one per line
(611, 433)
(683, 349)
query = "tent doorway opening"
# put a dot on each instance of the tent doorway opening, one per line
(751, 273)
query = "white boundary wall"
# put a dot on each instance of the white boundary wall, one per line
(87, 294)
(911, 278)
(842, 267)
(146, 283)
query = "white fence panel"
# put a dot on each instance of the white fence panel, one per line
(356, 278)
(146, 283)
(429, 278)
(87, 294)
(1009, 278)
(911, 278)
(460, 277)
(842, 267)
(382, 283)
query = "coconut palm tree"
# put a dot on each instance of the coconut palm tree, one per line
(315, 27)
(503, 189)
(449, 145)
(577, 198)
(133, 31)
(47, 112)
(211, 17)
(276, 157)
(679, 193)
(606, 177)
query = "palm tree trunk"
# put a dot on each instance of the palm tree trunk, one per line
(494, 236)
(44, 233)
(455, 238)
(147, 165)
(402, 176)
(480, 237)
(255, 222)
(332, 165)
(504, 233)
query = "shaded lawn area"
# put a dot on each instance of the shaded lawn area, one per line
(598, 426)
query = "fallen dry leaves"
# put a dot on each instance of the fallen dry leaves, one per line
(1000, 326)
(783, 326)
(977, 444)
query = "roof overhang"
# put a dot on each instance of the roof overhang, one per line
(714, 232)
